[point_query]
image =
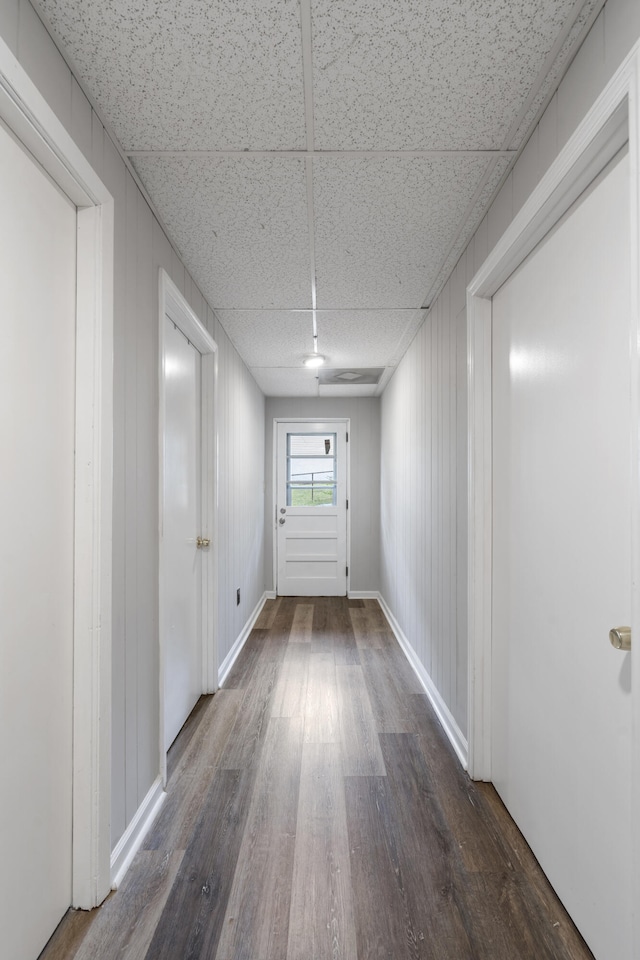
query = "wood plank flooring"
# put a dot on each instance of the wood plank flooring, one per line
(316, 811)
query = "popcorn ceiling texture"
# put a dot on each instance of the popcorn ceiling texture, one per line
(189, 74)
(286, 382)
(288, 336)
(376, 234)
(382, 226)
(241, 225)
(448, 74)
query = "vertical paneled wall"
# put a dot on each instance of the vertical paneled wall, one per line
(241, 494)
(364, 505)
(141, 248)
(423, 491)
(424, 465)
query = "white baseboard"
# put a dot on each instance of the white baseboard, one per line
(133, 837)
(230, 659)
(454, 733)
(363, 594)
(270, 594)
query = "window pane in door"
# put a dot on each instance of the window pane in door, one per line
(311, 469)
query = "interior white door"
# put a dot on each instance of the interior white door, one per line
(37, 426)
(182, 567)
(311, 509)
(561, 736)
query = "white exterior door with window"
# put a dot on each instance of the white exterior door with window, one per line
(311, 508)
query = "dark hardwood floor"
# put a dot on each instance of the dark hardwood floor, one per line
(316, 811)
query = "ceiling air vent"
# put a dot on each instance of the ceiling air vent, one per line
(351, 375)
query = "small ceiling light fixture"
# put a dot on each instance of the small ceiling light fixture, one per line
(314, 360)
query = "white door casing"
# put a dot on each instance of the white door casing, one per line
(614, 117)
(311, 536)
(26, 113)
(191, 499)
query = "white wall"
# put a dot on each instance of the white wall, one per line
(364, 505)
(141, 248)
(423, 484)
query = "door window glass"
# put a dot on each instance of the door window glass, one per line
(311, 469)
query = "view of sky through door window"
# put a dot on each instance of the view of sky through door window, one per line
(311, 469)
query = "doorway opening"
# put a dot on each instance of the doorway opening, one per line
(85, 488)
(524, 354)
(188, 518)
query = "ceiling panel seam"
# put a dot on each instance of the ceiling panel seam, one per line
(307, 72)
(581, 16)
(563, 41)
(306, 31)
(323, 154)
(108, 129)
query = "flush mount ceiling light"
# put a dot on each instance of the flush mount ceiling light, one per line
(314, 360)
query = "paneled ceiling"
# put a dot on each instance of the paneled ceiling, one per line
(320, 164)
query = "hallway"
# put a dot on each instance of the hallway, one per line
(315, 810)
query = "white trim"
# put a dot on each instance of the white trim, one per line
(232, 656)
(133, 837)
(270, 595)
(447, 720)
(363, 595)
(634, 212)
(614, 117)
(172, 303)
(26, 113)
(274, 506)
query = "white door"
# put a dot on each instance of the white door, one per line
(182, 567)
(562, 558)
(311, 509)
(37, 424)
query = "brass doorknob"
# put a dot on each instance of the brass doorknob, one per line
(202, 542)
(620, 638)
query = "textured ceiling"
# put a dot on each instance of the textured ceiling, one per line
(241, 225)
(381, 225)
(171, 74)
(446, 74)
(327, 154)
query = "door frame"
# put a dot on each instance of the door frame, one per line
(613, 119)
(173, 304)
(29, 117)
(274, 506)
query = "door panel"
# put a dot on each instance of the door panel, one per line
(182, 580)
(562, 558)
(311, 516)
(37, 427)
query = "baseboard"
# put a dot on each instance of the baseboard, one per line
(454, 733)
(133, 837)
(363, 594)
(270, 594)
(230, 659)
